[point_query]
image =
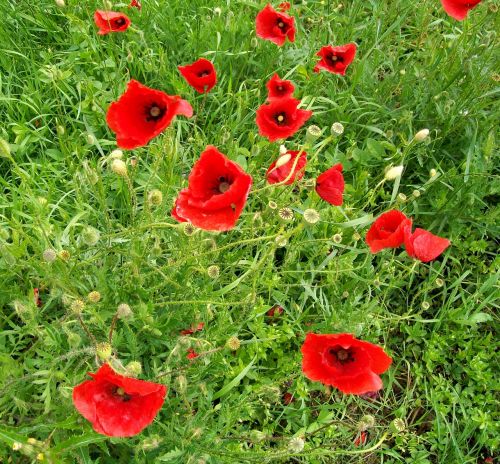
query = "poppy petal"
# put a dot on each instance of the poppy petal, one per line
(424, 245)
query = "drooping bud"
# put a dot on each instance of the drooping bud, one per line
(394, 172)
(421, 135)
(119, 167)
(4, 148)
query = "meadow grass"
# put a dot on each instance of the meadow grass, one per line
(416, 68)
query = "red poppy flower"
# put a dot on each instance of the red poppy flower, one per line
(278, 88)
(284, 6)
(288, 167)
(200, 75)
(281, 118)
(423, 245)
(192, 354)
(217, 192)
(141, 113)
(387, 231)
(193, 329)
(459, 9)
(136, 4)
(275, 311)
(274, 26)
(111, 21)
(336, 59)
(116, 405)
(361, 438)
(330, 185)
(340, 360)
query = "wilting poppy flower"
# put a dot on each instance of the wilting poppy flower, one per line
(336, 59)
(216, 194)
(281, 118)
(192, 354)
(288, 398)
(274, 26)
(340, 360)
(193, 329)
(284, 6)
(116, 405)
(361, 438)
(423, 245)
(136, 4)
(458, 9)
(289, 166)
(200, 75)
(330, 185)
(141, 113)
(111, 21)
(275, 311)
(278, 88)
(387, 231)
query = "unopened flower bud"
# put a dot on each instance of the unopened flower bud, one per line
(60, 3)
(257, 436)
(49, 255)
(116, 154)
(155, 197)
(60, 129)
(421, 135)
(108, 4)
(90, 236)
(91, 140)
(119, 167)
(104, 351)
(366, 422)
(74, 340)
(181, 383)
(233, 343)
(282, 160)
(4, 149)
(123, 311)
(393, 172)
(432, 173)
(283, 149)
(416, 193)
(134, 368)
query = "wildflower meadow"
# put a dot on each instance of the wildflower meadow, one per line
(248, 231)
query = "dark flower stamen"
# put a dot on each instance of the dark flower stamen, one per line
(203, 73)
(119, 22)
(224, 185)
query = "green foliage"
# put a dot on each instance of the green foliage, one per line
(415, 68)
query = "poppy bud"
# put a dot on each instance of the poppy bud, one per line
(421, 135)
(123, 311)
(116, 154)
(416, 193)
(91, 140)
(345, 294)
(90, 236)
(155, 197)
(366, 422)
(356, 236)
(296, 445)
(393, 172)
(337, 129)
(74, 340)
(119, 167)
(282, 160)
(283, 150)
(108, 5)
(49, 255)
(233, 343)
(134, 368)
(60, 130)
(4, 148)
(182, 383)
(60, 3)
(213, 271)
(257, 436)
(311, 216)
(103, 351)
(432, 173)
(77, 307)
(151, 443)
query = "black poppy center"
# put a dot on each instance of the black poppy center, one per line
(280, 118)
(154, 112)
(282, 25)
(119, 22)
(339, 355)
(203, 73)
(119, 392)
(334, 59)
(223, 185)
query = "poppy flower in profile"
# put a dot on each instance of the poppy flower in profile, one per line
(142, 113)
(330, 185)
(361, 438)
(200, 75)
(275, 26)
(111, 21)
(351, 365)
(284, 6)
(336, 59)
(281, 118)
(216, 194)
(192, 354)
(278, 88)
(423, 245)
(135, 4)
(387, 231)
(275, 311)
(288, 168)
(458, 9)
(116, 405)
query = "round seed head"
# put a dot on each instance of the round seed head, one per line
(213, 271)
(49, 255)
(155, 197)
(233, 343)
(311, 216)
(124, 311)
(296, 445)
(104, 351)
(337, 129)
